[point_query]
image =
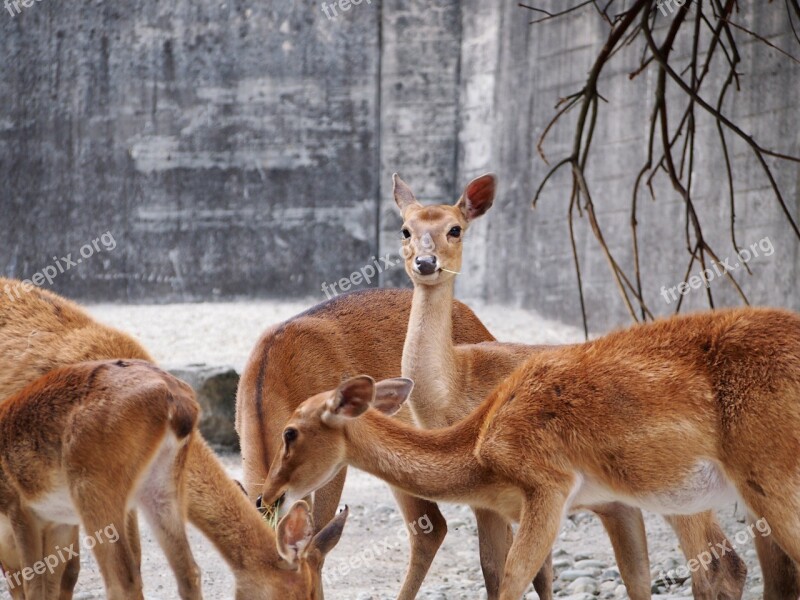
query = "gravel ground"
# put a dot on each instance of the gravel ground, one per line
(370, 560)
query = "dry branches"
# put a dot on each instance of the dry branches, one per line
(709, 27)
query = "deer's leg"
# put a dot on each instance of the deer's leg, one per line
(539, 522)
(165, 517)
(9, 560)
(725, 578)
(115, 559)
(59, 577)
(625, 528)
(423, 545)
(132, 531)
(780, 573)
(494, 538)
(28, 536)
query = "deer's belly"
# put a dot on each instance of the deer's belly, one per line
(56, 506)
(706, 487)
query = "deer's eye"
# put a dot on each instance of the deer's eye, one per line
(455, 231)
(405, 233)
(289, 435)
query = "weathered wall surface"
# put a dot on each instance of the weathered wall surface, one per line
(231, 148)
(237, 149)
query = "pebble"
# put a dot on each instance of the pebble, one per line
(578, 596)
(585, 585)
(589, 563)
(573, 574)
(610, 573)
(758, 590)
(562, 563)
(608, 586)
(621, 591)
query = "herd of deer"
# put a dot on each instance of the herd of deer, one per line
(676, 417)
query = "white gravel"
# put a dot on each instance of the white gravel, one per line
(370, 560)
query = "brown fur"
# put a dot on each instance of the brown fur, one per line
(451, 380)
(720, 387)
(39, 332)
(360, 332)
(55, 434)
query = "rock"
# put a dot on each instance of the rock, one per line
(621, 591)
(573, 574)
(583, 585)
(610, 573)
(216, 392)
(531, 596)
(757, 590)
(608, 586)
(578, 596)
(562, 563)
(590, 564)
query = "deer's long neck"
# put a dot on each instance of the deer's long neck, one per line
(434, 464)
(223, 513)
(429, 357)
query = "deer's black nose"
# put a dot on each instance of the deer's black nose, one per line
(258, 501)
(426, 265)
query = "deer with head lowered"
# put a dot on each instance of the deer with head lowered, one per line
(581, 425)
(41, 332)
(360, 332)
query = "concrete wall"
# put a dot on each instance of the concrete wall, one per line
(237, 149)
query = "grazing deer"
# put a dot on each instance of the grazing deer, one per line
(41, 331)
(361, 332)
(676, 417)
(451, 380)
(58, 469)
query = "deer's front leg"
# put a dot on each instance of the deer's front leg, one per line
(625, 528)
(699, 533)
(423, 546)
(494, 538)
(28, 537)
(539, 522)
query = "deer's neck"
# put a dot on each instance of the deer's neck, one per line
(429, 357)
(221, 510)
(435, 464)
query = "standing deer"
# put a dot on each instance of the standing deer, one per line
(451, 380)
(676, 417)
(361, 332)
(41, 331)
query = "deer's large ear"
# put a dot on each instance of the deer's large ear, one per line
(478, 196)
(403, 195)
(350, 400)
(326, 539)
(295, 531)
(391, 393)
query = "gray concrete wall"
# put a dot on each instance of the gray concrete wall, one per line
(237, 149)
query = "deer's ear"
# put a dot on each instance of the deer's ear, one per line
(326, 539)
(403, 195)
(295, 531)
(391, 393)
(350, 400)
(478, 196)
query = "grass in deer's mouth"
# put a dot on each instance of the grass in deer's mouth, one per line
(270, 513)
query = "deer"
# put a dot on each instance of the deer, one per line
(452, 379)
(675, 416)
(41, 331)
(359, 332)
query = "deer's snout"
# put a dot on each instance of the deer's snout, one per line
(425, 265)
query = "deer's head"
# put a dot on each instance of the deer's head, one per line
(315, 437)
(432, 235)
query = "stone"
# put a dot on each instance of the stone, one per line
(216, 392)
(573, 574)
